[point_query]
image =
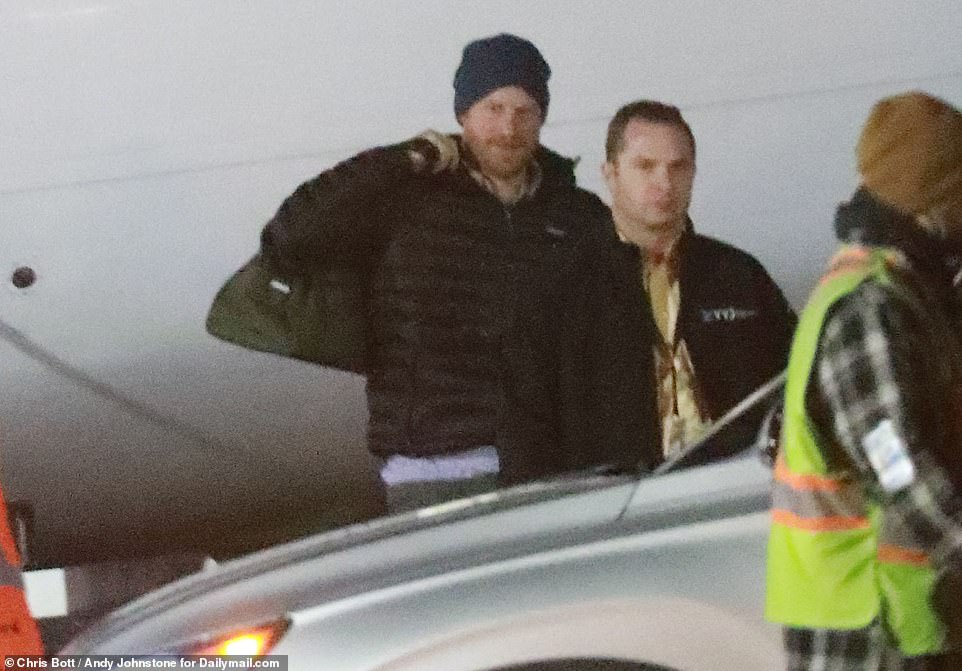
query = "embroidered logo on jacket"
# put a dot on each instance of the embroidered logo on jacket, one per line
(282, 287)
(729, 314)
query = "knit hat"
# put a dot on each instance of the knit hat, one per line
(501, 60)
(910, 152)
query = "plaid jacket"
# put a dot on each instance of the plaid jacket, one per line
(875, 363)
(866, 373)
(882, 359)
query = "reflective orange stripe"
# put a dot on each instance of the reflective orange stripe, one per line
(844, 261)
(809, 482)
(853, 258)
(893, 554)
(790, 519)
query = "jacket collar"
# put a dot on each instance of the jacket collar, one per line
(866, 220)
(533, 178)
(674, 250)
(548, 171)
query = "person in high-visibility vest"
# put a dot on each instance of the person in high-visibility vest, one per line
(867, 514)
(18, 630)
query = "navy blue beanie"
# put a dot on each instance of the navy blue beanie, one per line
(502, 60)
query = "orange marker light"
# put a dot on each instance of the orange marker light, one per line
(253, 644)
(257, 641)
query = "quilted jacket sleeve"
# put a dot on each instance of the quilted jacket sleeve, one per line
(342, 213)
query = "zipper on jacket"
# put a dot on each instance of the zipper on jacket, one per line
(508, 218)
(412, 415)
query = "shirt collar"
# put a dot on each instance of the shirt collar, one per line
(669, 254)
(534, 175)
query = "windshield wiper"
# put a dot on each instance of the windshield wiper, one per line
(769, 389)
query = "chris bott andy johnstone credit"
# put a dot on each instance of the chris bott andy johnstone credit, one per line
(111, 662)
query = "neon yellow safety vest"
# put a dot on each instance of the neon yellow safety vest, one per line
(834, 560)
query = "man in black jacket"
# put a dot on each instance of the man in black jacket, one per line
(724, 327)
(628, 360)
(447, 232)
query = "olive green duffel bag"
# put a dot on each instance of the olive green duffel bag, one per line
(319, 318)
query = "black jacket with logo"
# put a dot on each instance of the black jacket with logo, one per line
(587, 397)
(734, 318)
(442, 263)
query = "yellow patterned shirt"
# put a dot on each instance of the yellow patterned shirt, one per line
(683, 418)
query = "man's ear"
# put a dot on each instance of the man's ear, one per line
(608, 172)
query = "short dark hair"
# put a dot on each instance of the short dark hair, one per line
(643, 110)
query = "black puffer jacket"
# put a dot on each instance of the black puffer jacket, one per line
(445, 261)
(588, 397)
